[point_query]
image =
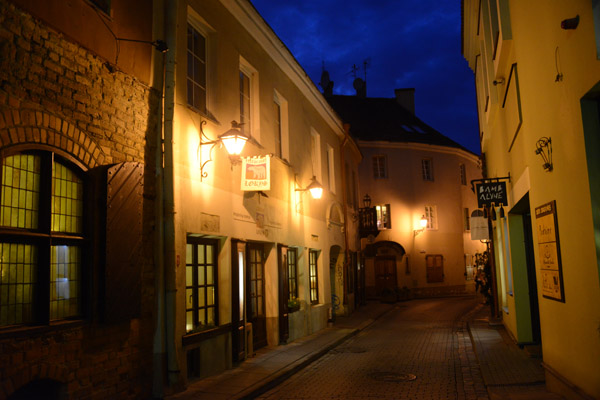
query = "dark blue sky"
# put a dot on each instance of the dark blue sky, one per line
(408, 43)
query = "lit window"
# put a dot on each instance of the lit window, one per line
(40, 268)
(427, 169)
(379, 167)
(313, 255)
(384, 220)
(196, 69)
(431, 216)
(463, 174)
(201, 274)
(292, 260)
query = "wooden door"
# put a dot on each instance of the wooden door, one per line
(255, 299)
(284, 294)
(385, 274)
(435, 268)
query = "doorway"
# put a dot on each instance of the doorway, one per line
(255, 299)
(238, 300)
(524, 274)
(385, 275)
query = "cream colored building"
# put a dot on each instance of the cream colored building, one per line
(537, 69)
(410, 171)
(245, 268)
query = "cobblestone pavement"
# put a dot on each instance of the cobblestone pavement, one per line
(420, 350)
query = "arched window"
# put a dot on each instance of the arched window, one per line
(41, 238)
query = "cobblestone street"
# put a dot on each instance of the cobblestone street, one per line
(419, 350)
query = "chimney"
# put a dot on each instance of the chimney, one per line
(406, 98)
(361, 87)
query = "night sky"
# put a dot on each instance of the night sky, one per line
(407, 44)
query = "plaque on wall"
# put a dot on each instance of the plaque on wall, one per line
(549, 252)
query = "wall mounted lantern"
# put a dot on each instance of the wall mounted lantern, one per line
(314, 187)
(367, 201)
(543, 148)
(233, 140)
(423, 224)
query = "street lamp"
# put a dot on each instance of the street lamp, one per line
(367, 201)
(423, 224)
(233, 140)
(314, 187)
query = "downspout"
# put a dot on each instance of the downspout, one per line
(158, 348)
(173, 371)
(345, 204)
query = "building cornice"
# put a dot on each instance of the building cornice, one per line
(419, 147)
(253, 22)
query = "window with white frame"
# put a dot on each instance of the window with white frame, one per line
(196, 68)
(379, 166)
(281, 126)
(463, 174)
(330, 169)
(384, 216)
(431, 216)
(315, 153)
(249, 114)
(427, 169)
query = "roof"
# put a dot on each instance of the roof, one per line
(384, 119)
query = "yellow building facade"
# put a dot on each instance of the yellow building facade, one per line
(537, 69)
(250, 257)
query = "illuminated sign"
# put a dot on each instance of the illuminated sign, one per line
(256, 173)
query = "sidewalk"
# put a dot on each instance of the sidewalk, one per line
(508, 371)
(272, 365)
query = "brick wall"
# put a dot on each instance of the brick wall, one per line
(56, 95)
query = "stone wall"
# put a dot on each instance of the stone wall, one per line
(58, 96)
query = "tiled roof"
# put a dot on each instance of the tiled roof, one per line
(384, 119)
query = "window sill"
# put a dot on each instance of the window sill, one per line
(197, 337)
(35, 330)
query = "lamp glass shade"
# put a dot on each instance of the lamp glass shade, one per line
(423, 222)
(367, 201)
(315, 188)
(234, 141)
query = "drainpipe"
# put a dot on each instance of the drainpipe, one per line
(159, 356)
(173, 371)
(345, 203)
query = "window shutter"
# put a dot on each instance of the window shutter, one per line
(124, 189)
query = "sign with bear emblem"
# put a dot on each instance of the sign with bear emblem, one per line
(256, 173)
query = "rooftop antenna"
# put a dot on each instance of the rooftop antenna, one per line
(354, 70)
(366, 63)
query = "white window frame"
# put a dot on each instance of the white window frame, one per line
(247, 69)
(384, 216)
(432, 217)
(427, 169)
(331, 168)
(200, 25)
(315, 153)
(284, 124)
(380, 160)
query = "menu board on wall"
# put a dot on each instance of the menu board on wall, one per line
(549, 252)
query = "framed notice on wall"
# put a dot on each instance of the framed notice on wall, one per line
(549, 252)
